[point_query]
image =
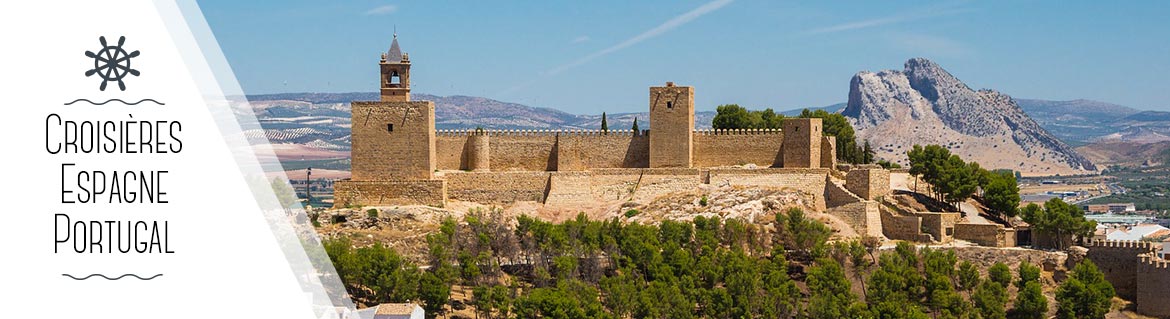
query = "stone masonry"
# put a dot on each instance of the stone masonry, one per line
(398, 158)
(672, 115)
(1135, 272)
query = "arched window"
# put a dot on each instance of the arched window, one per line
(394, 78)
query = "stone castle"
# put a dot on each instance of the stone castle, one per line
(399, 158)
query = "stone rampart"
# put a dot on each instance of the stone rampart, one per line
(761, 147)
(382, 193)
(497, 187)
(615, 149)
(1153, 286)
(1119, 262)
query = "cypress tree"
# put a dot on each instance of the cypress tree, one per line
(604, 125)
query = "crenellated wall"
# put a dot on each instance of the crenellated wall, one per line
(577, 151)
(1118, 260)
(761, 147)
(551, 150)
(1153, 286)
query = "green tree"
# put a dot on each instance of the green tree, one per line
(1000, 273)
(829, 290)
(733, 116)
(801, 233)
(1002, 193)
(434, 292)
(1030, 302)
(604, 125)
(990, 299)
(635, 127)
(835, 124)
(1085, 294)
(968, 276)
(1028, 273)
(569, 299)
(1061, 220)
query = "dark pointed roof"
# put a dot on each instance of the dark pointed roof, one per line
(395, 53)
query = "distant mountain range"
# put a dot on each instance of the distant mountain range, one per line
(321, 120)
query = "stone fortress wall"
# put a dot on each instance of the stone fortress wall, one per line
(399, 158)
(1136, 273)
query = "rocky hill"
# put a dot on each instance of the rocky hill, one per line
(924, 104)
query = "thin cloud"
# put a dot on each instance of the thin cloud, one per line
(580, 39)
(381, 10)
(654, 32)
(877, 22)
(663, 28)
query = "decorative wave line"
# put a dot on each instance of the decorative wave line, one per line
(115, 278)
(119, 100)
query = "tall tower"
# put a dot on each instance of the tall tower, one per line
(672, 123)
(393, 139)
(802, 142)
(395, 67)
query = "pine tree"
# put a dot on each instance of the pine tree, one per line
(1030, 302)
(635, 127)
(1085, 294)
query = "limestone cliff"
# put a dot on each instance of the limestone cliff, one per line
(923, 104)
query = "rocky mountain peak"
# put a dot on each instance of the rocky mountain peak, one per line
(925, 104)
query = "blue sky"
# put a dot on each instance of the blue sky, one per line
(593, 56)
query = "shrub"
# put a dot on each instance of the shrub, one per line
(632, 213)
(372, 213)
(703, 201)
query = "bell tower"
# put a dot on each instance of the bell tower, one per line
(395, 69)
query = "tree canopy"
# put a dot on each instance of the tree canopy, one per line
(1061, 220)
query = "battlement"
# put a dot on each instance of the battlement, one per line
(1123, 244)
(765, 131)
(1152, 261)
(471, 132)
(1153, 285)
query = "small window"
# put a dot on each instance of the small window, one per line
(669, 104)
(390, 127)
(394, 78)
(796, 129)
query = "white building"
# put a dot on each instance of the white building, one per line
(1138, 232)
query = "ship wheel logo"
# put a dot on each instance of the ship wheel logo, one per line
(112, 63)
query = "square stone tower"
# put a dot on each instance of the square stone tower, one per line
(393, 139)
(672, 125)
(802, 142)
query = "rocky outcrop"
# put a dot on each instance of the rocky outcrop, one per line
(924, 104)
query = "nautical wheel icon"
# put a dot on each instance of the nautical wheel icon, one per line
(112, 63)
